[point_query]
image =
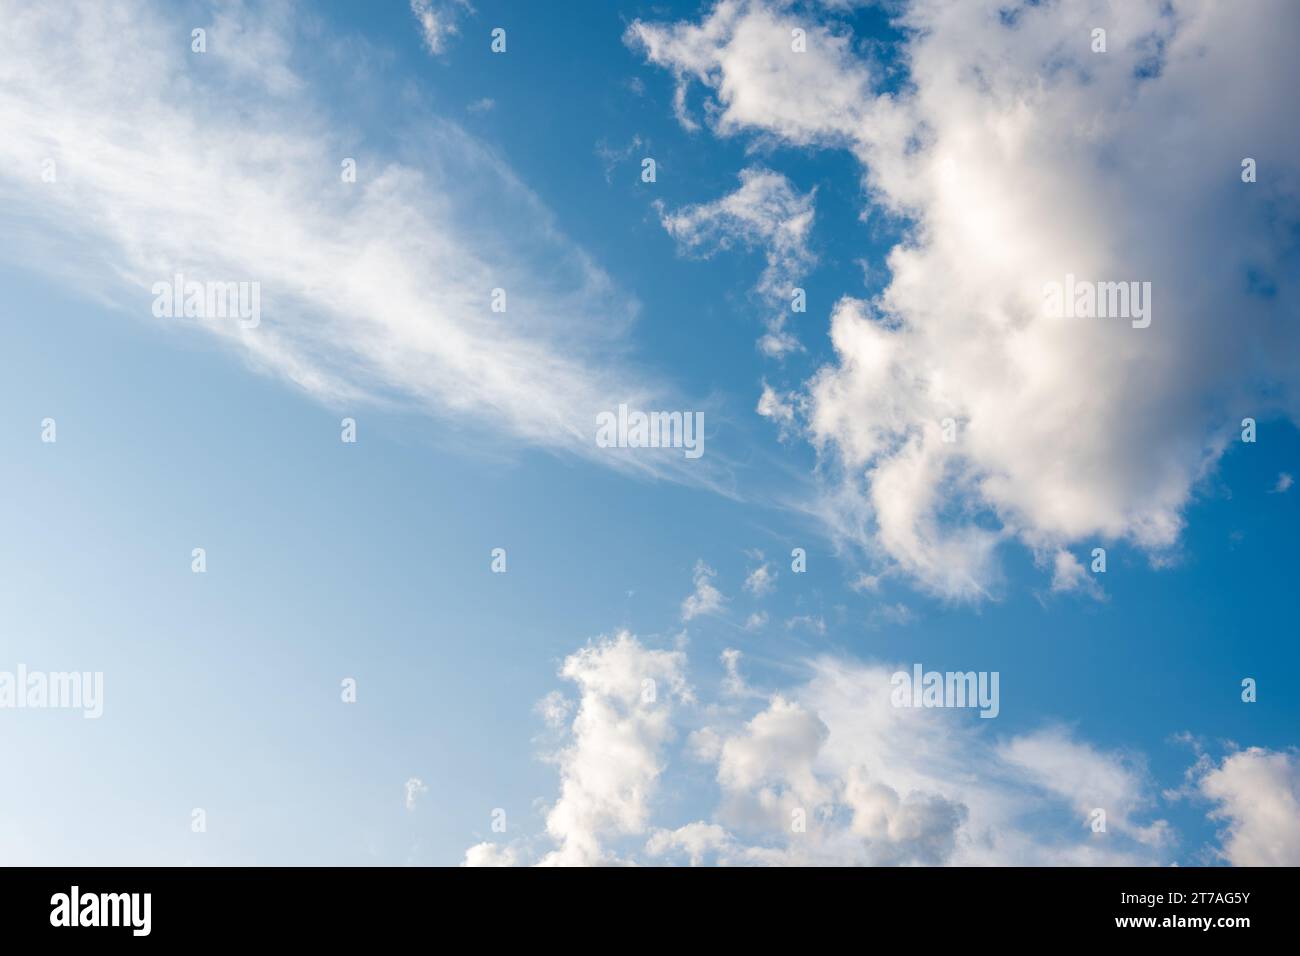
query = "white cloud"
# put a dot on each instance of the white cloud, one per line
(768, 213)
(696, 840)
(1069, 574)
(733, 683)
(761, 579)
(866, 583)
(413, 788)
(1087, 778)
(439, 22)
(887, 785)
(876, 784)
(610, 770)
(1284, 483)
(768, 765)
(779, 408)
(555, 709)
(919, 828)
(491, 854)
(372, 292)
(756, 621)
(741, 52)
(1257, 797)
(1020, 156)
(706, 599)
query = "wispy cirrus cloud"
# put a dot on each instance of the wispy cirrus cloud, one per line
(227, 165)
(413, 788)
(439, 21)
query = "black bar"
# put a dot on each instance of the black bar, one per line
(333, 905)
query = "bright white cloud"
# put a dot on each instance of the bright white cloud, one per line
(1256, 793)
(610, 769)
(696, 840)
(742, 53)
(772, 757)
(491, 854)
(1021, 157)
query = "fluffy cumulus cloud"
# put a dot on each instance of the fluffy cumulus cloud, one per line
(613, 755)
(742, 53)
(697, 841)
(959, 412)
(611, 766)
(1256, 797)
(491, 854)
(828, 771)
(230, 170)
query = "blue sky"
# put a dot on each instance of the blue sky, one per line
(524, 691)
